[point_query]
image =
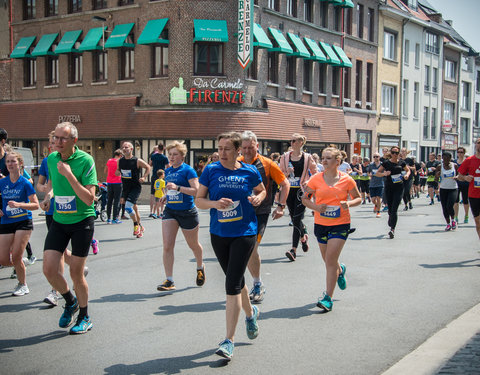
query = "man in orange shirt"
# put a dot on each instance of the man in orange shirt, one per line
(270, 173)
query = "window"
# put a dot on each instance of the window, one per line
(433, 125)
(388, 99)
(274, 4)
(160, 60)
(449, 112)
(291, 71)
(371, 24)
(100, 72)
(360, 20)
(348, 20)
(99, 4)
(307, 75)
(252, 71)
(365, 139)
(417, 55)
(337, 18)
(28, 9)
(450, 70)
(272, 76)
(464, 131)
(435, 80)
(335, 80)
(29, 72)
(389, 45)
(369, 82)
(75, 68)
(412, 4)
(51, 70)
(51, 8)
(292, 8)
(405, 98)
(125, 2)
(427, 78)
(322, 78)
(431, 43)
(466, 96)
(74, 6)
(324, 14)
(358, 80)
(307, 10)
(426, 122)
(208, 59)
(466, 63)
(477, 114)
(416, 98)
(477, 82)
(414, 149)
(346, 83)
(406, 52)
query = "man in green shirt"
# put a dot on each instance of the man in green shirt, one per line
(73, 179)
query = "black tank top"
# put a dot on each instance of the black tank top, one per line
(129, 170)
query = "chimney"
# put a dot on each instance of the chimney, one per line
(450, 22)
(436, 17)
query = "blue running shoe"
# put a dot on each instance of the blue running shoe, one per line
(82, 326)
(342, 280)
(251, 323)
(225, 349)
(325, 303)
(257, 293)
(67, 316)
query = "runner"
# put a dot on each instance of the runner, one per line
(157, 161)
(73, 180)
(462, 187)
(364, 181)
(3, 140)
(16, 224)
(180, 212)
(114, 188)
(231, 189)
(446, 172)
(393, 169)
(407, 184)
(330, 190)
(357, 170)
(159, 193)
(431, 166)
(129, 167)
(344, 166)
(416, 178)
(470, 171)
(376, 184)
(271, 175)
(423, 177)
(297, 166)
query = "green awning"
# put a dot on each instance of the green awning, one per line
(302, 51)
(152, 31)
(261, 38)
(44, 45)
(119, 35)
(346, 63)
(347, 4)
(331, 56)
(210, 31)
(68, 42)
(90, 42)
(23, 46)
(317, 55)
(283, 45)
(336, 2)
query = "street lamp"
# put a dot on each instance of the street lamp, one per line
(102, 20)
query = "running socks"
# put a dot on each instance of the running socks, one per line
(69, 298)
(83, 312)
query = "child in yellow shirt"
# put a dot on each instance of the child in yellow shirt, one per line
(159, 187)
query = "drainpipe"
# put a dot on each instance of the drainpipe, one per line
(342, 43)
(402, 56)
(10, 27)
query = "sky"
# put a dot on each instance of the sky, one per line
(465, 16)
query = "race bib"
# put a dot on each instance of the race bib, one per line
(332, 212)
(13, 213)
(126, 173)
(354, 174)
(229, 214)
(66, 204)
(476, 182)
(374, 171)
(365, 174)
(174, 196)
(396, 178)
(294, 181)
(449, 174)
(431, 169)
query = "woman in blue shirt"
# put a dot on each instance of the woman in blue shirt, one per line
(16, 224)
(231, 189)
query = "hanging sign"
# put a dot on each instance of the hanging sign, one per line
(245, 37)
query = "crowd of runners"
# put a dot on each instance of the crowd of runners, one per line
(239, 187)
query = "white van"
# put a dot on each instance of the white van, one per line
(27, 158)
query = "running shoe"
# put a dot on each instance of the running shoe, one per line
(385, 208)
(342, 280)
(225, 349)
(201, 276)
(431, 203)
(68, 312)
(124, 217)
(152, 215)
(14, 274)
(405, 208)
(456, 219)
(136, 230)
(94, 245)
(51, 298)
(166, 286)
(448, 227)
(109, 221)
(82, 326)
(290, 224)
(465, 221)
(305, 244)
(257, 293)
(378, 214)
(25, 261)
(410, 206)
(116, 221)
(31, 260)
(140, 233)
(291, 255)
(325, 303)
(20, 290)
(85, 271)
(364, 202)
(454, 224)
(251, 324)
(391, 234)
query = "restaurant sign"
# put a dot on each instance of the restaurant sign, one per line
(212, 91)
(244, 30)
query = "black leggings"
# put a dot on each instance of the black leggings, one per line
(393, 196)
(233, 254)
(448, 198)
(296, 210)
(407, 186)
(114, 194)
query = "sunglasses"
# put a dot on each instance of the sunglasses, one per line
(375, 156)
(293, 141)
(460, 152)
(394, 152)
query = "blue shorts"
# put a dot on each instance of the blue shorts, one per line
(187, 219)
(325, 233)
(376, 191)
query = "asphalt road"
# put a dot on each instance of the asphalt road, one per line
(400, 292)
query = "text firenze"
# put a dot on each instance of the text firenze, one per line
(216, 96)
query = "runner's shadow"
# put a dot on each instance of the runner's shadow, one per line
(290, 313)
(121, 297)
(272, 244)
(205, 260)
(19, 307)
(173, 365)
(461, 264)
(193, 308)
(280, 260)
(379, 237)
(8, 345)
(427, 231)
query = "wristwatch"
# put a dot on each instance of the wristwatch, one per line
(178, 187)
(280, 205)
